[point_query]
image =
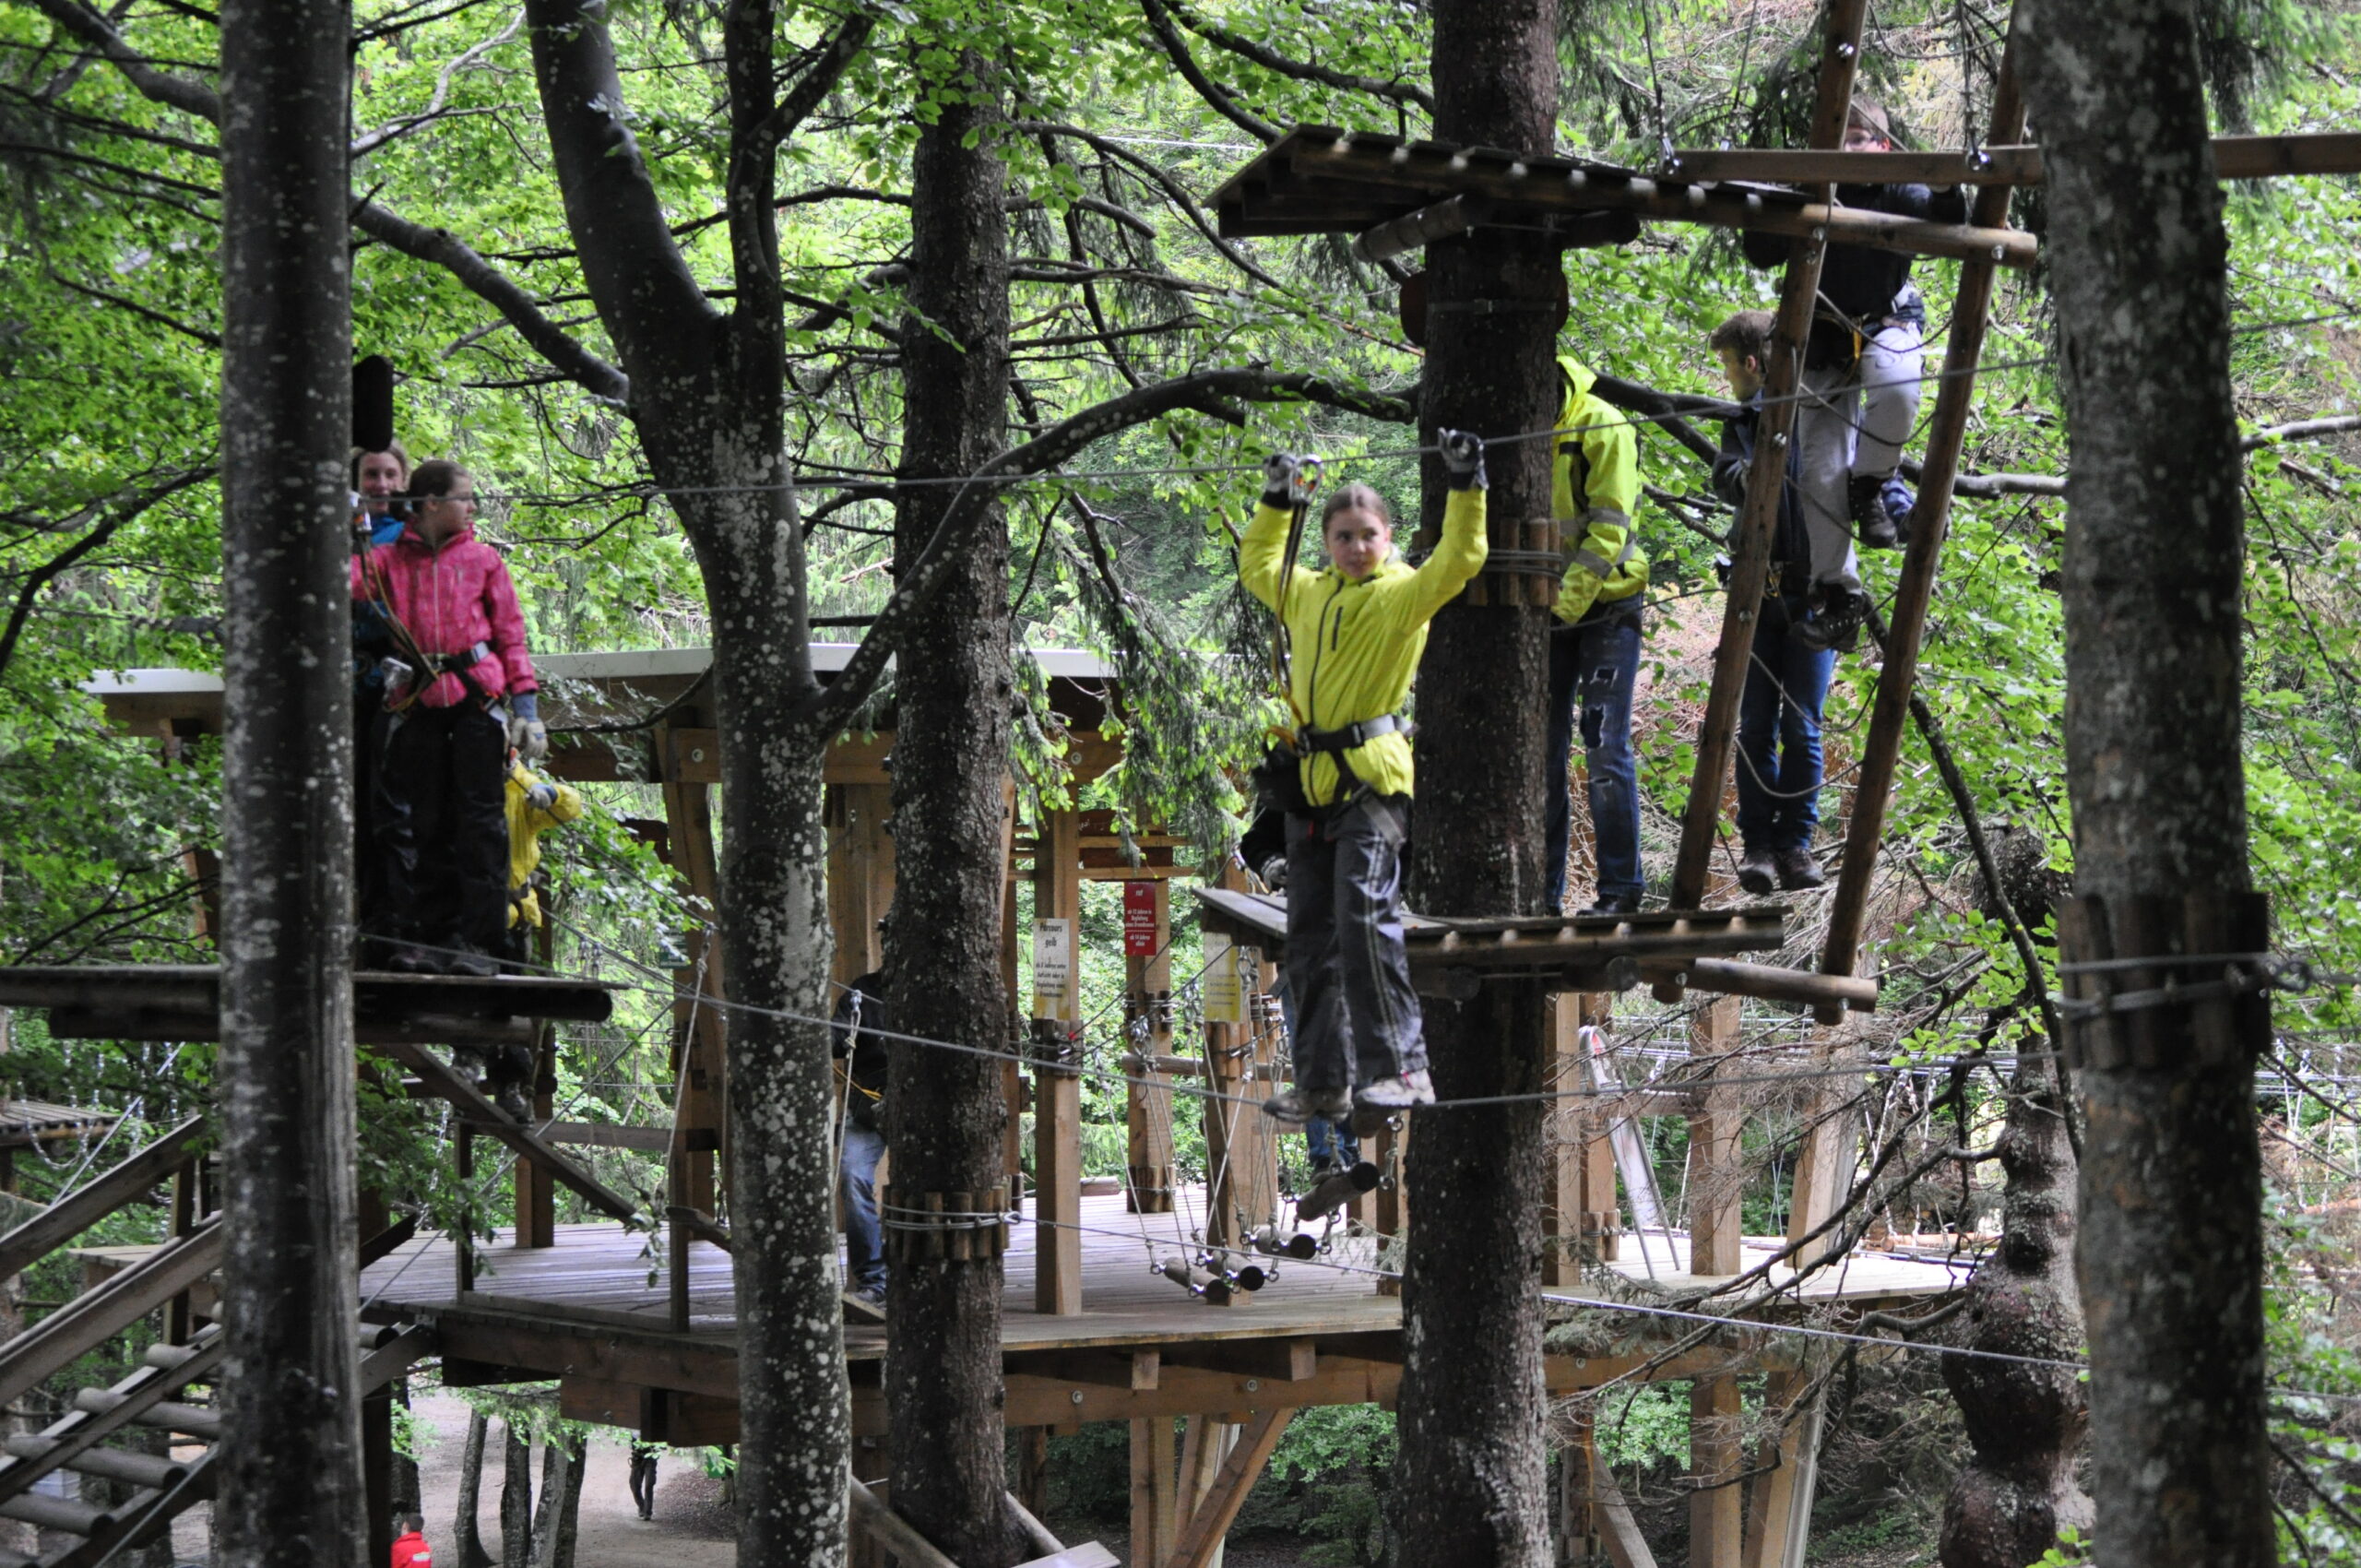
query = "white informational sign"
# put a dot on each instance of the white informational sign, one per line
(1231, 973)
(1057, 978)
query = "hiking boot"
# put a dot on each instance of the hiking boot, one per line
(513, 1104)
(1611, 904)
(1759, 872)
(1398, 1092)
(1299, 1105)
(1798, 869)
(1865, 494)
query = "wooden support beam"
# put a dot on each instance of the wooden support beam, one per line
(1824, 1169)
(1770, 982)
(480, 1113)
(700, 1111)
(1717, 1508)
(1057, 1091)
(1415, 231)
(861, 875)
(1778, 1504)
(1276, 1361)
(1751, 552)
(1147, 1018)
(1201, 1538)
(2235, 157)
(95, 1199)
(1562, 1217)
(1906, 620)
(871, 1513)
(95, 1316)
(1156, 1491)
(1716, 1167)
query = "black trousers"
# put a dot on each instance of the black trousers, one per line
(442, 827)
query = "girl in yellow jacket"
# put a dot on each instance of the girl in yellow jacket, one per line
(1356, 631)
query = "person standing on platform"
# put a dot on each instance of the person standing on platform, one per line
(1786, 681)
(1594, 644)
(378, 480)
(464, 694)
(857, 1040)
(1356, 631)
(1861, 372)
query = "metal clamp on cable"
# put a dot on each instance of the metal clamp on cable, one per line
(1054, 1045)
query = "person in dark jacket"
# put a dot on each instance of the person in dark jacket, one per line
(378, 514)
(856, 1041)
(1786, 681)
(1861, 365)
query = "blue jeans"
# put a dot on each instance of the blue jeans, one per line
(1778, 734)
(1598, 662)
(1347, 971)
(864, 1238)
(1331, 1143)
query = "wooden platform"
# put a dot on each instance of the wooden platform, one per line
(587, 1313)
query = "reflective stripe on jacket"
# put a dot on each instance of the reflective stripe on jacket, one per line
(1356, 646)
(451, 598)
(526, 823)
(1593, 489)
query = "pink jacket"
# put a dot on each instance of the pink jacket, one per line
(451, 599)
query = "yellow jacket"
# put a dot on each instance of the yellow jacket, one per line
(527, 822)
(1594, 481)
(1357, 645)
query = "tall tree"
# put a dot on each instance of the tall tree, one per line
(2170, 1257)
(952, 698)
(1471, 1400)
(290, 1485)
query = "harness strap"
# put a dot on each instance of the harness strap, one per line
(1311, 742)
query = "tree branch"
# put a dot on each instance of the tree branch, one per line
(1160, 21)
(819, 79)
(113, 517)
(1173, 190)
(1270, 60)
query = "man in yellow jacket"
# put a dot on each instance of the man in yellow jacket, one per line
(535, 805)
(1594, 645)
(1355, 631)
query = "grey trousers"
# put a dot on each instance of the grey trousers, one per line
(1853, 422)
(1355, 1017)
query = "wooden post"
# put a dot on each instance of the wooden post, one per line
(1011, 1085)
(700, 1116)
(1751, 554)
(1906, 621)
(861, 875)
(1602, 1219)
(1057, 1091)
(1715, 1171)
(1235, 1139)
(1824, 1169)
(872, 1464)
(1561, 1221)
(1717, 1508)
(463, 1258)
(1156, 1491)
(1148, 1016)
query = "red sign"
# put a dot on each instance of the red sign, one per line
(1142, 925)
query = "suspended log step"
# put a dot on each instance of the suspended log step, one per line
(183, 1002)
(1455, 957)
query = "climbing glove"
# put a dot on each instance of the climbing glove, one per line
(1462, 455)
(525, 730)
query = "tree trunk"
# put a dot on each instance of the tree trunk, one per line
(1473, 1492)
(569, 1515)
(2171, 1254)
(290, 1484)
(952, 695)
(2027, 1423)
(561, 1486)
(467, 1540)
(515, 1499)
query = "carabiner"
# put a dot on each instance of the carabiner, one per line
(1305, 485)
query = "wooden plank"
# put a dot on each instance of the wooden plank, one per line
(892, 1531)
(95, 1316)
(1089, 1554)
(94, 1200)
(1751, 552)
(1280, 1360)
(1057, 1091)
(1201, 1538)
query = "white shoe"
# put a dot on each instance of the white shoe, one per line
(1398, 1092)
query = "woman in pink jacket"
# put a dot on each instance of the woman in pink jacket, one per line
(466, 693)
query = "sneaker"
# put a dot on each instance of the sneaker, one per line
(468, 961)
(1759, 872)
(1613, 904)
(1398, 1092)
(513, 1104)
(865, 1307)
(1798, 869)
(411, 960)
(1866, 493)
(1299, 1105)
